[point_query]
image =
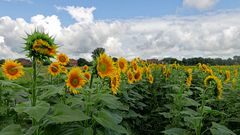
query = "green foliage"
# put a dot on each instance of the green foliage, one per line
(82, 62)
(96, 53)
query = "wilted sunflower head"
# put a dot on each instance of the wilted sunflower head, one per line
(62, 59)
(40, 45)
(54, 68)
(12, 70)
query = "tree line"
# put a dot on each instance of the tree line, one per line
(235, 60)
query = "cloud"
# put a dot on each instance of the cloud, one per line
(5, 51)
(80, 14)
(209, 35)
(200, 4)
(26, 1)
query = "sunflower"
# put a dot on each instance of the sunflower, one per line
(62, 59)
(234, 83)
(85, 67)
(74, 91)
(236, 73)
(148, 71)
(130, 77)
(217, 81)
(227, 76)
(40, 45)
(12, 70)
(150, 78)
(75, 79)
(189, 78)
(122, 64)
(115, 83)
(63, 69)
(54, 68)
(105, 67)
(87, 75)
(134, 65)
(138, 75)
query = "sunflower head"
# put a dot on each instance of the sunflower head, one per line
(75, 79)
(122, 64)
(63, 69)
(134, 65)
(130, 77)
(40, 45)
(150, 79)
(236, 73)
(227, 76)
(62, 59)
(12, 70)
(87, 75)
(85, 67)
(115, 83)
(105, 67)
(54, 68)
(138, 75)
(218, 87)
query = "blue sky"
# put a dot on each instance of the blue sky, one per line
(107, 9)
(125, 28)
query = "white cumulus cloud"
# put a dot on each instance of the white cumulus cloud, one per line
(200, 4)
(210, 35)
(80, 14)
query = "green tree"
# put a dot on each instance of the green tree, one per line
(96, 53)
(82, 62)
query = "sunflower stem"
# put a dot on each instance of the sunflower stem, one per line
(34, 88)
(91, 81)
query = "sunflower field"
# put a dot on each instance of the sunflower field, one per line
(113, 98)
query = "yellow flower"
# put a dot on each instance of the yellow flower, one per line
(12, 70)
(74, 91)
(87, 75)
(63, 69)
(189, 78)
(150, 79)
(148, 71)
(167, 73)
(105, 66)
(115, 83)
(75, 79)
(54, 68)
(63, 59)
(227, 76)
(236, 73)
(130, 77)
(138, 75)
(234, 83)
(218, 82)
(122, 64)
(85, 67)
(134, 65)
(42, 47)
